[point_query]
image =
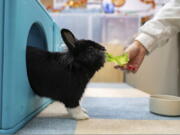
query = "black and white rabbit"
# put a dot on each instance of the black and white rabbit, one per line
(63, 76)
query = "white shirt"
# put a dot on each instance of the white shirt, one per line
(164, 25)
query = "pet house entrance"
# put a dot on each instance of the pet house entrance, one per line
(36, 37)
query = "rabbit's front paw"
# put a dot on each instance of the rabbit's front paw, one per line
(78, 113)
(84, 110)
(80, 116)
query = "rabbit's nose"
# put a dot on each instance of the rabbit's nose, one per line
(102, 52)
(103, 49)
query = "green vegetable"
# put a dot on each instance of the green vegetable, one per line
(119, 60)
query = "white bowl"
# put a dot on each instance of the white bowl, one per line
(165, 105)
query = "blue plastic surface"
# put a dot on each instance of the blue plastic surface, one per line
(57, 39)
(1, 51)
(24, 121)
(25, 22)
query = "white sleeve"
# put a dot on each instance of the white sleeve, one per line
(164, 25)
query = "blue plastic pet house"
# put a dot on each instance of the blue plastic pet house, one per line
(22, 23)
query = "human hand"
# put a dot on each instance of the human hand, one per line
(136, 53)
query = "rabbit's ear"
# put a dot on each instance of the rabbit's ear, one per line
(68, 38)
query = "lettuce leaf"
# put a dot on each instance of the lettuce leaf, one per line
(119, 60)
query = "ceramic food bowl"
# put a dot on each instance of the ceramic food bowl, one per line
(165, 105)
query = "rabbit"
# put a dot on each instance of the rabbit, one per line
(63, 76)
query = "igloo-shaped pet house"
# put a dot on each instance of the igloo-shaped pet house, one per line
(22, 23)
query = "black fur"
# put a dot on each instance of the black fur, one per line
(64, 76)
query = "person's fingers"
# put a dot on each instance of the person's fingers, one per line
(137, 61)
(136, 54)
(117, 66)
(130, 50)
(133, 68)
(120, 67)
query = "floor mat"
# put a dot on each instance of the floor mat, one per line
(113, 109)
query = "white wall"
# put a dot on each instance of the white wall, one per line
(159, 73)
